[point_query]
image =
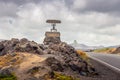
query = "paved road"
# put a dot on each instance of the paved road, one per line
(111, 59)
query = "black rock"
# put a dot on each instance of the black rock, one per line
(23, 45)
(54, 64)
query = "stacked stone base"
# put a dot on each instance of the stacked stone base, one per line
(52, 37)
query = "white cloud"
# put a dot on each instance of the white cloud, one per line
(5, 9)
(79, 4)
(91, 28)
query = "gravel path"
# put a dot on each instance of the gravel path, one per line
(104, 73)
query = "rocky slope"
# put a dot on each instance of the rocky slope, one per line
(27, 60)
(117, 51)
(108, 50)
(105, 50)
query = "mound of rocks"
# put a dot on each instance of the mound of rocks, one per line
(67, 58)
(23, 45)
(60, 57)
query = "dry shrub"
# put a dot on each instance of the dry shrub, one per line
(10, 59)
(83, 55)
(59, 76)
(105, 50)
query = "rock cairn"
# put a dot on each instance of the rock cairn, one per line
(61, 57)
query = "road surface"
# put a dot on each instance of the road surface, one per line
(111, 59)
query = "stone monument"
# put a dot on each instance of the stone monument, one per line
(52, 36)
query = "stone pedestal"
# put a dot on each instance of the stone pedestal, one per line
(52, 37)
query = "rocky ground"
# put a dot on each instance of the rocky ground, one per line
(104, 73)
(28, 60)
(31, 61)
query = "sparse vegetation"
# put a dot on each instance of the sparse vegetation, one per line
(58, 76)
(33, 70)
(8, 77)
(83, 55)
(105, 50)
(63, 77)
(10, 59)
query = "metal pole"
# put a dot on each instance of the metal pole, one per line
(54, 26)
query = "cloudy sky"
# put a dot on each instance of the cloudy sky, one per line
(91, 22)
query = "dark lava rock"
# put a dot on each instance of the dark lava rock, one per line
(23, 45)
(6, 70)
(1, 47)
(54, 64)
(60, 56)
(68, 58)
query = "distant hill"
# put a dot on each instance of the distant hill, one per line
(84, 47)
(117, 51)
(1, 40)
(109, 50)
(105, 50)
(116, 46)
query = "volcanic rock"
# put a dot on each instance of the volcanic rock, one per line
(59, 57)
(67, 57)
(16, 45)
(54, 64)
